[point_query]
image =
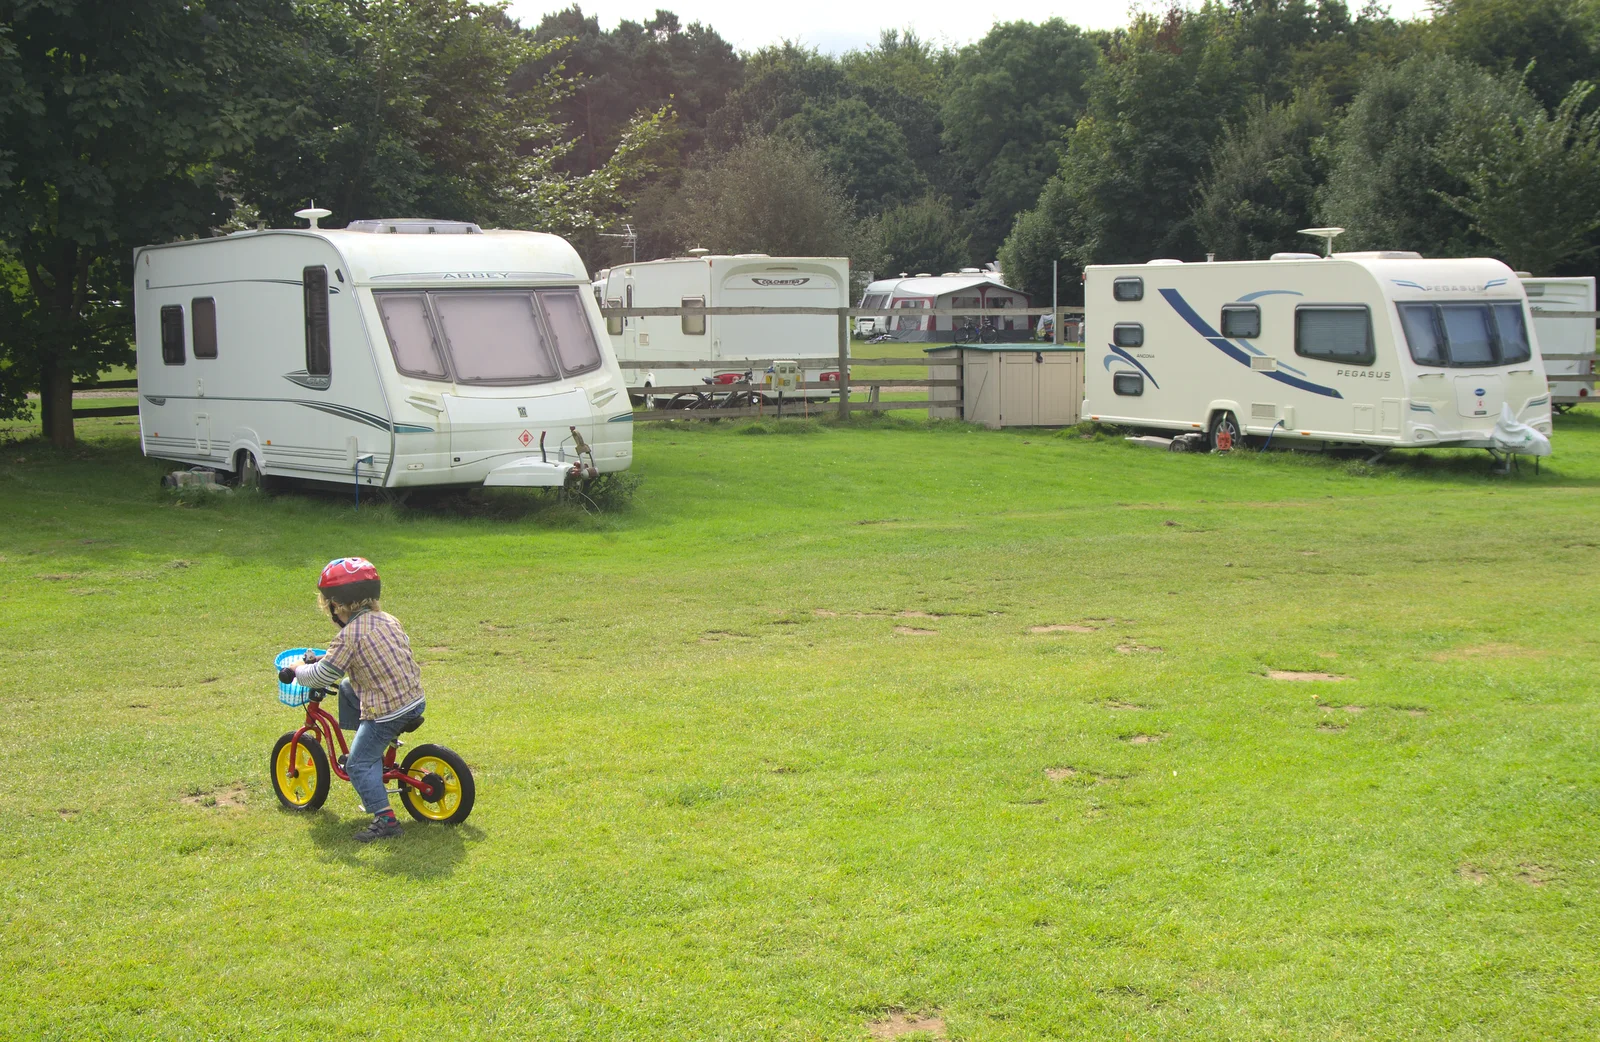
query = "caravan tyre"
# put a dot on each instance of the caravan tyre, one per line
(247, 473)
(1224, 423)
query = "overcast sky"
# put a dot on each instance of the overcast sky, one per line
(836, 26)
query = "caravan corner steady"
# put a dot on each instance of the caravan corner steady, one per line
(393, 353)
(1381, 349)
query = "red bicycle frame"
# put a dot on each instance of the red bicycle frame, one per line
(322, 722)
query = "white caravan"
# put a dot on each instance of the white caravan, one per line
(729, 342)
(1571, 380)
(393, 353)
(966, 289)
(877, 295)
(1381, 349)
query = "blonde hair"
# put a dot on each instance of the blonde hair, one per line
(347, 610)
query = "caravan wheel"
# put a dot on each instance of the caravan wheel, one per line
(1224, 423)
(247, 473)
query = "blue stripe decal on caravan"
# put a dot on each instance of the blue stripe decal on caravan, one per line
(1258, 294)
(626, 417)
(1120, 353)
(1217, 341)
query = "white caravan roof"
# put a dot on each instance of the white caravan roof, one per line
(939, 285)
(486, 257)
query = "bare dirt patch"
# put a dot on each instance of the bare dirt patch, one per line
(1133, 647)
(1418, 711)
(897, 1024)
(1121, 706)
(1472, 873)
(1060, 773)
(713, 636)
(1477, 651)
(1354, 709)
(232, 796)
(67, 813)
(913, 614)
(823, 613)
(912, 631)
(1332, 728)
(138, 705)
(1534, 875)
(1298, 674)
(1142, 739)
(1063, 627)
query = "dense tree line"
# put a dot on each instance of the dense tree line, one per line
(1222, 128)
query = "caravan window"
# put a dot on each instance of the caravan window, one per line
(614, 322)
(411, 337)
(1466, 335)
(319, 360)
(1241, 321)
(694, 325)
(172, 334)
(203, 316)
(1127, 334)
(1127, 289)
(1126, 383)
(493, 338)
(569, 327)
(1335, 333)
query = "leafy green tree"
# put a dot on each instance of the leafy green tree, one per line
(1041, 240)
(779, 81)
(1007, 101)
(925, 235)
(404, 107)
(769, 195)
(903, 79)
(1264, 177)
(865, 151)
(1159, 101)
(1559, 38)
(1532, 181)
(111, 121)
(1387, 183)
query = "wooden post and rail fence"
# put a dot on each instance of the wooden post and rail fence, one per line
(845, 382)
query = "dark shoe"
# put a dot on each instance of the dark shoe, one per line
(380, 828)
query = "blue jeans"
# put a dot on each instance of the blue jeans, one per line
(365, 762)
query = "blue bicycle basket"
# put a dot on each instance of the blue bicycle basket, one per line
(293, 694)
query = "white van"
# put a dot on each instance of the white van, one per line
(392, 353)
(1381, 349)
(1571, 380)
(729, 342)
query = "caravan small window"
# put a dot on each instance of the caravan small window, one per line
(569, 328)
(614, 322)
(1128, 383)
(694, 325)
(203, 315)
(319, 354)
(1127, 334)
(1336, 333)
(172, 334)
(1127, 289)
(493, 338)
(1421, 326)
(411, 337)
(1241, 321)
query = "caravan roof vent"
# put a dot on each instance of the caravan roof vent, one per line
(923, 275)
(1162, 260)
(972, 271)
(1295, 256)
(1382, 255)
(414, 226)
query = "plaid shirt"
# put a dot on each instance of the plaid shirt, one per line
(375, 653)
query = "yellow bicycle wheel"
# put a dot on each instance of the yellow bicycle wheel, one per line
(307, 789)
(449, 782)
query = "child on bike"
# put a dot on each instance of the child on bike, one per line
(371, 661)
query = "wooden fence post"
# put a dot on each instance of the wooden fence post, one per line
(844, 363)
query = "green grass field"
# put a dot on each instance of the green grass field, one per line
(774, 752)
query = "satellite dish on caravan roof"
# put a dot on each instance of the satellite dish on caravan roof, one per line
(313, 214)
(1326, 234)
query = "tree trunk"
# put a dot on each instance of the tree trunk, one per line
(55, 405)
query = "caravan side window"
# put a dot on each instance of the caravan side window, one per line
(569, 327)
(694, 325)
(1127, 334)
(1126, 383)
(614, 322)
(1335, 333)
(411, 337)
(172, 334)
(319, 354)
(1464, 336)
(203, 316)
(1241, 321)
(1127, 289)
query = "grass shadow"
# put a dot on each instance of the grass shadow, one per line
(421, 852)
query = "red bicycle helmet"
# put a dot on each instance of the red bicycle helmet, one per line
(347, 580)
